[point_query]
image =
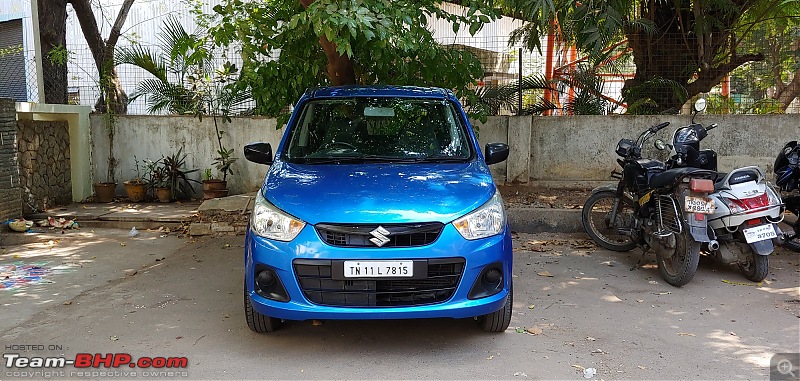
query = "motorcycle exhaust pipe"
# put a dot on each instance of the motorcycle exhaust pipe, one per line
(713, 245)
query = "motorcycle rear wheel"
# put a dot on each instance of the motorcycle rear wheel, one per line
(757, 267)
(595, 218)
(679, 268)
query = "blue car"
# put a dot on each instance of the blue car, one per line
(378, 204)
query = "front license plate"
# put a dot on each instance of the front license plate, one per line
(759, 233)
(702, 205)
(378, 269)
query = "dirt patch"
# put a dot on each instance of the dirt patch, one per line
(525, 196)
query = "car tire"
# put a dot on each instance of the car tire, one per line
(257, 322)
(499, 320)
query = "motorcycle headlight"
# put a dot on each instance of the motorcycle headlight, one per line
(488, 220)
(270, 222)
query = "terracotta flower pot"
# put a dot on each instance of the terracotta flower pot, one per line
(164, 194)
(136, 190)
(214, 189)
(209, 194)
(104, 192)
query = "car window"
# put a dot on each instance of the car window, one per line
(389, 129)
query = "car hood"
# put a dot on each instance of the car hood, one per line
(378, 192)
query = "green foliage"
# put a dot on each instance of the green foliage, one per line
(59, 55)
(388, 42)
(174, 174)
(701, 40)
(718, 104)
(184, 79)
(640, 98)
(493, 99)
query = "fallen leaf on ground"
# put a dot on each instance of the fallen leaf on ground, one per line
(662, 293)
(534, 330)
(589, 338)
(490, 357)
(759, 284)
(532, 306)
(686, 334)
(68, 302)
(316, 322)
(641, 367)
(520, 330)
(122, 244)
(639, 301)
(579, 367)
(598, 351)
(545, 274)
(113, 338)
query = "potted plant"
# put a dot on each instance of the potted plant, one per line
(136, 187)
(214, 187)
(175, 175)
(105, 191)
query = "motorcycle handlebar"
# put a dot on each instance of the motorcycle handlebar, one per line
(659, 127)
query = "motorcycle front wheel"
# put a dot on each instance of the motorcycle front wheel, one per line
(679, 267)
(596, 219)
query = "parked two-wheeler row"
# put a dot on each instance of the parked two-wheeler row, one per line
(684, 206)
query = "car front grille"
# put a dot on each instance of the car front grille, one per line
(317, 283)
(359, 235)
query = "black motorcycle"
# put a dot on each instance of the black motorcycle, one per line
(787, 177)
(653, 207)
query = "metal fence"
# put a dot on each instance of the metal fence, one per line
(747, 90)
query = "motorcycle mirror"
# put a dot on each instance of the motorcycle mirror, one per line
(700, 105)
(660, 145)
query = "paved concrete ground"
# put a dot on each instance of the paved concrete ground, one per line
(592, 313)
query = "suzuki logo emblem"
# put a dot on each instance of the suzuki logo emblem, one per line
(379, 236)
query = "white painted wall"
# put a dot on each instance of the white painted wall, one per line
(150, 137)
(553, 151)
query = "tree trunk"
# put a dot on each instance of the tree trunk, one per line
(789, 92)
(675, 52)
(113, 96)
(53, 34)
(340, 67)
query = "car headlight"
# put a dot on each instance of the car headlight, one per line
(270, 222)
(486, 221)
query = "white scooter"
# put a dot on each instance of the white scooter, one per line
(742, 212)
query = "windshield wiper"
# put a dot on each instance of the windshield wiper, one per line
(358, 159)
(442, 159)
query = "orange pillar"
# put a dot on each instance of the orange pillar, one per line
(548, 64)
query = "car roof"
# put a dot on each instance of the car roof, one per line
(379, 91)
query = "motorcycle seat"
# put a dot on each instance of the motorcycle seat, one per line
(670, 176)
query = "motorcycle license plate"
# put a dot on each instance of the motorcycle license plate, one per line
(759, 233)
(702, 205)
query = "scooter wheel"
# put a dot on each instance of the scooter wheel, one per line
(757, 267)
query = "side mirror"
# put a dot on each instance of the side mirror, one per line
(700, 105)
(661, 145)
(495, 153)
(260, 153)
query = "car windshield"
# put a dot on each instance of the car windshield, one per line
(378, 129)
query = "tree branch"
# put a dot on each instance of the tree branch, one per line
(710, 78)
(116, 30)
(91, 32)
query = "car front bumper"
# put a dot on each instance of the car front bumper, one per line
(307, 247)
